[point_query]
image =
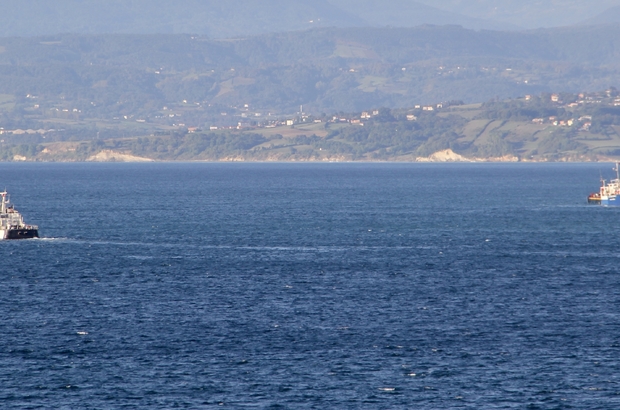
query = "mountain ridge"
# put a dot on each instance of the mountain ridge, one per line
(216, 19)
(322, 69)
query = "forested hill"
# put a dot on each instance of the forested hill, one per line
(323, 69)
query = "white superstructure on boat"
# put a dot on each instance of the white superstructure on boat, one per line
(12, 224)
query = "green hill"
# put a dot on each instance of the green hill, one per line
(107, 76)
(547, 127)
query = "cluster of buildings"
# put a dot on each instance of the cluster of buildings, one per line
(584, 121)
(609, 97)
(28, 131)
(301, 118)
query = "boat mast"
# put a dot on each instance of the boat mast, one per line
(4, 201)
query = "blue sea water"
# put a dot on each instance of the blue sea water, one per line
(401, 286)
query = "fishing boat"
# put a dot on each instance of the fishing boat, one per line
(594, 198)
(12, 224)
(609, 192)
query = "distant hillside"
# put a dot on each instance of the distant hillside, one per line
(215, 18)
(546, 127)
(135, 76)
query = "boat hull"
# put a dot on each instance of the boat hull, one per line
(610, 200)
(20, 233)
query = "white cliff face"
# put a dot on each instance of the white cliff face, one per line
(446, 155)
(113, 156)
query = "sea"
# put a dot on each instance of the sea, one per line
(319, 286)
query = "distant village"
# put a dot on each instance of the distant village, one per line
(254, 120)
(609, 98)
(244, 118)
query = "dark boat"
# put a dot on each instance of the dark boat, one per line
(12, 224)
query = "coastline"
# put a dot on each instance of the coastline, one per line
(443, 156)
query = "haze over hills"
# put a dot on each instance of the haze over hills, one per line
(231, 18)
(408, 13)
(609, 16)
(213, 18)
(527, 14)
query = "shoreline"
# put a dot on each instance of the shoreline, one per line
(364, 161)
